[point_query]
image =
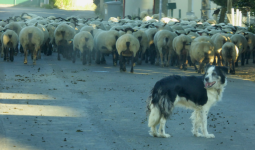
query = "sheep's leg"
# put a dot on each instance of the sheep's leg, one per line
(98, 57)
(21, 49)
(233, 66)
(122, 63)
(114, 55)
(39, 54)
(215, 59)
(103, 61)
(253, 53)
(50, 50)
(34, 55)
(185, 62)
(247, 57)
(59, 50)
(139, 54)
(84, 59)
(5, 53)
(201, 64)
(157, 59)
(133, 64)
(236, 63)
(16, 50)
(220, 60)
(242, 59)
(2, 52)
(25, 55)
(89, 56)
(161, 57)
(11, 54)
(146, 54)
(74, 55)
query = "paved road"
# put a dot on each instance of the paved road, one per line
(60, 105)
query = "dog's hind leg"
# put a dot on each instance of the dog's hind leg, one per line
(196, 121)
(204, 114)
(161, 130)
(153, 120)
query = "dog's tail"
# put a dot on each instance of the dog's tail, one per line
(159, 105)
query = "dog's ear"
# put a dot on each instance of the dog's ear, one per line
(206, 67)
(223, 69)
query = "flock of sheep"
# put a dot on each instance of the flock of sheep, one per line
(166, 42)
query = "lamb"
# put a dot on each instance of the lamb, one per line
(230, 55)
(51, 29)
(250, 37)
(84, 42)
(31, 38)
(181, 48)
(202, 51)
(151, 51)
(143, 14)
(105, 43)
(14, 26)
(64, 35)
(219, 40)
(144, 44)
(127, 46)
(163, 43)
(46, 40)
(241, 43)
(156, 16)
(10, 41)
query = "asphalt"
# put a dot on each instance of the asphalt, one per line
(57, 105)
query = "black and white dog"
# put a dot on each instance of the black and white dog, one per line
(197, 93)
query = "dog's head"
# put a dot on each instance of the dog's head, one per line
(215, 76)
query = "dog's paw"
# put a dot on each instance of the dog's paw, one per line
(154, 134)
(164, 135)
(210, 136)
(198, 135)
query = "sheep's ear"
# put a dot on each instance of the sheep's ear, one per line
(245, 33)
(117, 29)
(36, 24)
(187, 33)
(164, 25)
(177, 33)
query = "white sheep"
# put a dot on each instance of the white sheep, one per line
(151, 52)
(143, 14)
(105, 43)
(250, 37)
(230, 55)
(241, 43)
(84, 42)
(64, 35)
(31, 38)
(144, 44)
(127, 46)
(51, 29)
(202, 51)
(163, 43)
(10, 41)
(219, 40)
(181, 47)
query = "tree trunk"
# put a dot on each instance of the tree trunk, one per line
(222, 14)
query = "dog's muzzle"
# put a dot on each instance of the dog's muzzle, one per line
(209, 84)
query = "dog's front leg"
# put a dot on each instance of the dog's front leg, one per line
(196, 121)
(204, 124)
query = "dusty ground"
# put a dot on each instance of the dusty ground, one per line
(246, 72)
